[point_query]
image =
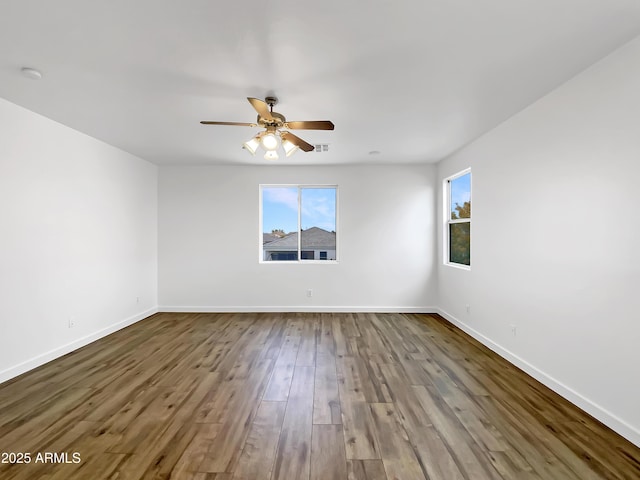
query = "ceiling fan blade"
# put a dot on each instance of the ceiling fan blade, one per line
(313, 125)
(261, 107)
(297, 141)
(237, 124)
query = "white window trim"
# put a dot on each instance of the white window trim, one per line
(446, 216)
(299, 186)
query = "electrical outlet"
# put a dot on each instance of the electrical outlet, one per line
(309, 293)
(514, 329)
(137, 299)
(468, 308)
(72, 322)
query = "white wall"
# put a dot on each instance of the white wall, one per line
(556, 238)
(209, 241)
(78, 239)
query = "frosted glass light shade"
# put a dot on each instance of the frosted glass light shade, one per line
(289, 148)
(270, 141)
(252, 145)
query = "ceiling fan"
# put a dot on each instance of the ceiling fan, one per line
(275, 134)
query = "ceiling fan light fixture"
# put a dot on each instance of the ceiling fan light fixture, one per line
(289, 148)
(252, 145)
(271, 155)
(270, 141)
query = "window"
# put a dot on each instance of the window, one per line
(298, 223)
(458, 214)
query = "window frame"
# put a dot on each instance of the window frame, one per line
(300, 187)
(449, 221)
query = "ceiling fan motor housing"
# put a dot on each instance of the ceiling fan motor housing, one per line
(278, 120)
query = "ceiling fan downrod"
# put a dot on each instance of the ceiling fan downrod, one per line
(271, 101)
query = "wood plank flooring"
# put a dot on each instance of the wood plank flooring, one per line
(313, 396)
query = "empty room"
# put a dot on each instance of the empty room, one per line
(341, 240)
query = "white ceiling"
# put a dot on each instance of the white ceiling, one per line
(413, 79)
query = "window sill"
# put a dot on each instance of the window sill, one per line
(459, 266)
(300, 262)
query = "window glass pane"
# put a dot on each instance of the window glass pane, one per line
(280, 223)
(318, 221)
(461, 197)
(460, 243)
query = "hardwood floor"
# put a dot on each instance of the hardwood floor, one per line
(298, 396)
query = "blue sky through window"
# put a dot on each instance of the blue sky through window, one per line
(318, 208)
(460, 191)
(280, 208)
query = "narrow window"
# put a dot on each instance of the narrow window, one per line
(458, 225)
(298, 223)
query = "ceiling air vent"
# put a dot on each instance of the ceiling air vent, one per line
(321, 147)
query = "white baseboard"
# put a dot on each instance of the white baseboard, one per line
(609, 419)
(297, 308)
(46, 357)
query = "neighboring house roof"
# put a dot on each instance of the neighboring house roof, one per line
(268, 238)
(312, 238)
